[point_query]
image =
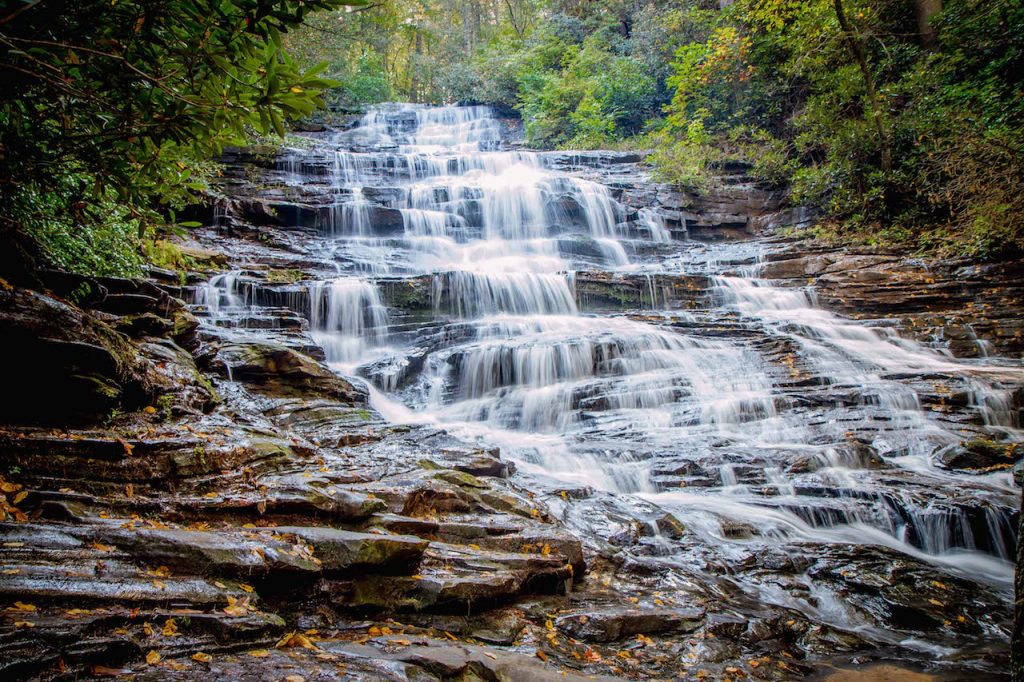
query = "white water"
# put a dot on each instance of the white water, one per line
(630, 407)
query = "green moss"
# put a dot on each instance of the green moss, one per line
(287, 276)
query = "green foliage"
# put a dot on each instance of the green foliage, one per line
(780, 85)
(130, 98)
(52, 218)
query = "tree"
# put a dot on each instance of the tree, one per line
(126, 99)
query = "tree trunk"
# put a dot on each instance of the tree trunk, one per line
(925, 10)
(852, 38)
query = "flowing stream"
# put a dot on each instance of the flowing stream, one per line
(763, 423)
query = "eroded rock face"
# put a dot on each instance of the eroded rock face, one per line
(266, 515)
(279, 370)
(65, 365)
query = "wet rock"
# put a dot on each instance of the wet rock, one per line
(66, 364)
(220, 553)
(339, 550)
(616, 624)
(737, 530)
(980, 454)
(279, 370)
(487, 466)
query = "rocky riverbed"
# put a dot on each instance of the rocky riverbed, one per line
(769, 460)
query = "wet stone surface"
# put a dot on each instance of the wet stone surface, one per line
(451, 410)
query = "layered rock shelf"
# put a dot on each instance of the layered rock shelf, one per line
(394, 433)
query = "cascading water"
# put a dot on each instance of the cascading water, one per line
(762, 410)
(347, 317)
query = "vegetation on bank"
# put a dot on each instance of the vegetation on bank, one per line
(901, 122)
(111, 112)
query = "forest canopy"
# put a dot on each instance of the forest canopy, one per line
(900, 122)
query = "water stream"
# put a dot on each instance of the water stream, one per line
(762, 411)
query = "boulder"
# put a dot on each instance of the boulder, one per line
(979, 454)
(276, 369)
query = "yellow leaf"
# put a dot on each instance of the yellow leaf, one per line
(541, 655)
(11, 571)
(295, 678)
(149, 409)
(147, 629)
(128, 447)
(159, 584)
(101, 547)
(202, 658)
(211, 495)
(23, 624)
(245, 587)
(19, 497)
(259, 653)
(294, 640)
(296, 89)
(170, 628)
(22, 606)
(152, 658)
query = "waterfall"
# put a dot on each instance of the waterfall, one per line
(756, 406)
(347, 317)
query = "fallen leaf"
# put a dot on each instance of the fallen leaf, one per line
(295, 639)
(237, 607)
(128, 447)
(202, 658)
(170, 628)
(99, 546)
(149, 409)
(259, 653)
(20, 497)
(295, 678)
(22, 606)
(245, 587)
(152, 658)
(23, 624)
(541, 655)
